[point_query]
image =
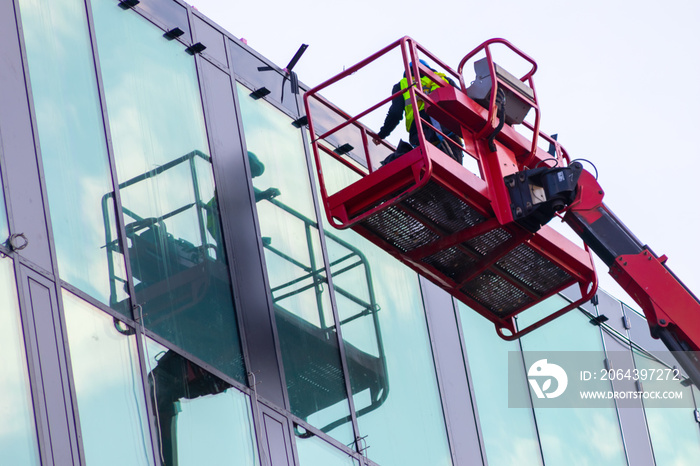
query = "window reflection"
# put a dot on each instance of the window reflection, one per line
(488, 364)
(400, 402)
(167, 189)
(200, 418)
(295, 266)
(315, 452)
(673, 431)
(588, 426)
(73, 144)
(108, 386)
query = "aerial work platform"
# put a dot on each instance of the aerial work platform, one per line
(449, 224)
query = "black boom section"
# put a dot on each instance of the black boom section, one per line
(605, 234)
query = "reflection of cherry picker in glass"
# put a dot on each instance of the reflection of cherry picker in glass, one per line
(483, 237)
(160, 259)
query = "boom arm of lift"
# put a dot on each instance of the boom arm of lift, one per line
(672, 311)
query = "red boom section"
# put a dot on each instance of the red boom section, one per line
(672, 311)
(451, 225)
(667, 304)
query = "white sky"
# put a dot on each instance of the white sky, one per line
(616, 80)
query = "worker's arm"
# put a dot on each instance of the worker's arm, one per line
(393, 116)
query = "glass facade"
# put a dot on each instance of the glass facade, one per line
(295, 265)
(107, 381)
(200, 418)
(673, 432)
(597, 425)
(73, 146)
(387, 344)
(315, 452)
(168, 197)
(487, 358)
(156, 358)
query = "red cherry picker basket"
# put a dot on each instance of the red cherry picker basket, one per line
(451, 225)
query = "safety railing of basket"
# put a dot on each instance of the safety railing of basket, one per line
(496, 82)
(411, 53)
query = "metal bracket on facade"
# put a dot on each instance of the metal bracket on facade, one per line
(128, 4)
(607, 364)
(626, 322)
(259, 93)
(362, 445)
(599, 319)
(299, 122)
(344, 149)
(173, 33)
(196, 48)
(17, 241)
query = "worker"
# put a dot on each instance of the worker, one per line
(402, 103)
(257, 168)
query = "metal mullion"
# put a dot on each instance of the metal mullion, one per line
(257, 417)
(121, 228)
(436, 368)
(329, 279)
(227, 249)
(36, 144)
(31, 349)
(36, 388)
(470, 385)
(258, 422)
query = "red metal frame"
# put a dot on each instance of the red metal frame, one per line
(389, 185)
(496, 82)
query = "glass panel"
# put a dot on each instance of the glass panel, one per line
(167, 188)
(315, 452)
(73, 146)
(18, 443)
(502, 426)
(572, 435)
(111, 397)
(674, 433)
(201, 419)
(304, 317)
(390, 360)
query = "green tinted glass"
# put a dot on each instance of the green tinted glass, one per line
(108, 386)
(201, 419)
(315, 452)
(18, 444)
(487, 356)
(167, 188)
(572, 444)
(674, 433)
(295, 267)
(390, 360)
(73, 146)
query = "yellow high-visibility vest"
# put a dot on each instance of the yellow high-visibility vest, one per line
(428, 86)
